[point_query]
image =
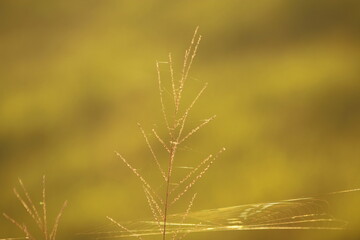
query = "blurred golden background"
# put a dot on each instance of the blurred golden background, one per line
(284, 82)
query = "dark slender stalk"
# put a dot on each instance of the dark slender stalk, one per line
(168, 179)
(166, 204)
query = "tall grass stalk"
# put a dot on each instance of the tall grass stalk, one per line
(175, 117)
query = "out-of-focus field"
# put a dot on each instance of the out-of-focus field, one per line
(284, 82)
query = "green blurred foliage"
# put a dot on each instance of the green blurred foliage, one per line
(76, 77)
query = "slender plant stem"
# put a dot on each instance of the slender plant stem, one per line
(168, 179)
(166, 203)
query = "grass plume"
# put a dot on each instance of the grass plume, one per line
(175, 122)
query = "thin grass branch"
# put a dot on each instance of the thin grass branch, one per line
(152, 152)
(192, 183)
(160, 140)
(27, 195)
(57, 220)
(152, 208)
(191, 173)
(43, 203)
(161, 98)
(194, 130)
(185, 215)
(182, 120)
(146, 184)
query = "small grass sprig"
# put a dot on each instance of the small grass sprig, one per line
(39, 217)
